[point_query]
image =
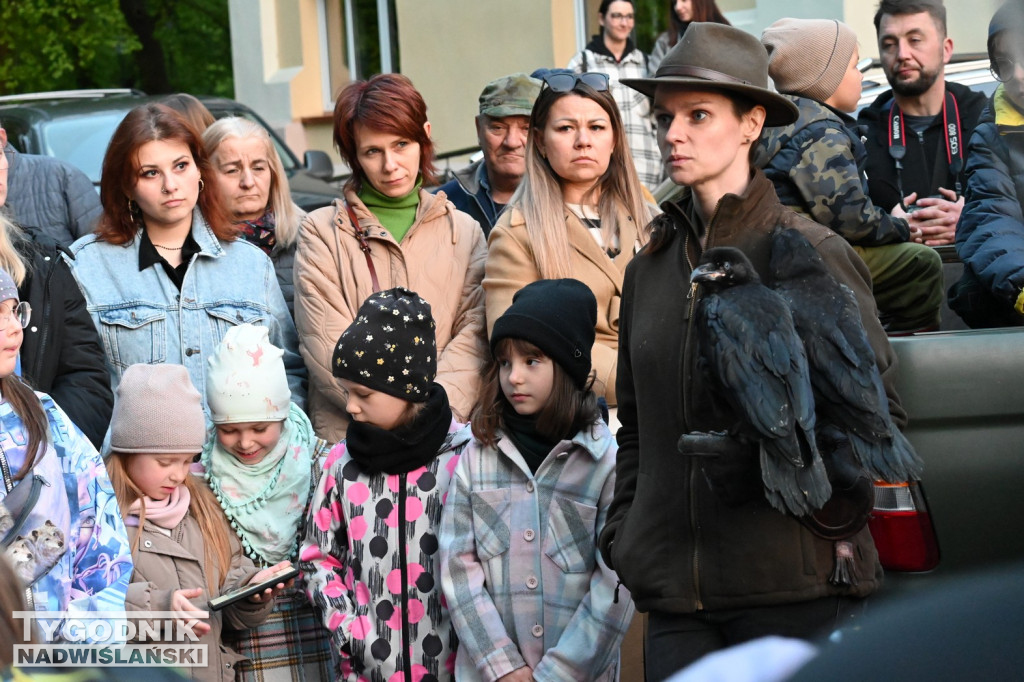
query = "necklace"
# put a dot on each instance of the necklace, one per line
(169, 248)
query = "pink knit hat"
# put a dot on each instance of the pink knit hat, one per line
(157, 411)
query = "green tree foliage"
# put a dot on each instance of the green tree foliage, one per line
(651, 20)
(159, 46)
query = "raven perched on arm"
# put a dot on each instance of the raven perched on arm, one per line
(848, 390)
(751, 351)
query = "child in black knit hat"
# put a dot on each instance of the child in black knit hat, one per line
(370, 552)
(529, 500)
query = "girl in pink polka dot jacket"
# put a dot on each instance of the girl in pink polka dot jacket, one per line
(262, 459)
(530, 596)
(370, 552)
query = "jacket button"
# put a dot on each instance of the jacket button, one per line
(532, 582)
(537, 630)
(147, 543)
(189, 352)
(46, 258)
(528, 535)
(34, 328)
(529, 486)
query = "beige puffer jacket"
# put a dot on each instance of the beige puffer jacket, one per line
(441, 258)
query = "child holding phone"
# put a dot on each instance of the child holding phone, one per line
(262, 460)
(370, 551)
(183, 549)
(529, 499)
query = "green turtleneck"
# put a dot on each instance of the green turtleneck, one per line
(396, 214)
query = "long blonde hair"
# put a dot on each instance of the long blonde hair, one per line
(286, 214)
(539, 195)
(203, 507)
(10, 258)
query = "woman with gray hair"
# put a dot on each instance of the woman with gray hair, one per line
(250, 177)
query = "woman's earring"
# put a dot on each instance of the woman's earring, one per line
(132, 209)
(201, 185)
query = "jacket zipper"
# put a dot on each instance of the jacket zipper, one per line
(692, 296)
(403, 564)
(45, 328)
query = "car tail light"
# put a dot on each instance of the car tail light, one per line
(902, 528)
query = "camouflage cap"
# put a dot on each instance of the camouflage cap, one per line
(512, 95)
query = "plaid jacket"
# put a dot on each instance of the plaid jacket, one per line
(634, 107)
(511, 537)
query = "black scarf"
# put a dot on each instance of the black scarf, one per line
(522, 430)
(408, 447)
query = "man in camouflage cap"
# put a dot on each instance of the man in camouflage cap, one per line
(484, 187)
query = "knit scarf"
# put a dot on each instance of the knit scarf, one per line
(396, 214)
(165, 513)
(408, 447)
(265, 502)
(260, 232)
(522, 430)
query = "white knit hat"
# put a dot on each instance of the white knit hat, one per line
(246, 381)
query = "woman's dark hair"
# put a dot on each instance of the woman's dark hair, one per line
(26, 405)
(390, 103)
(194, 111)
(605, 4)
(151, 123)
(703, 10)
(567, 411)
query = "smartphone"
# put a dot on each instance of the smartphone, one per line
(282, 576)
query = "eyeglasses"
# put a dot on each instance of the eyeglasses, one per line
(567, 82)
(20, 313)
(620, 17)
(1003, 69)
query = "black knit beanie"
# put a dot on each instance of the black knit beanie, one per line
(390, 346)
(1009, 17)
(556, 315)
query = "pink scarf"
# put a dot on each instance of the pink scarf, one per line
(166, 514)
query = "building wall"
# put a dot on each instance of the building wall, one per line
(452, 53)
(289, 67)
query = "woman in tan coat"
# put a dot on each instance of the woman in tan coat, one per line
(388, 232)
(579, 211)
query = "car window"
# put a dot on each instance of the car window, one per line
(81, 140)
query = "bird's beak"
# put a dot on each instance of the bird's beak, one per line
(706, 273)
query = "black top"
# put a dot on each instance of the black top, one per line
(148, 256)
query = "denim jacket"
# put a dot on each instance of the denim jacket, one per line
(142, 317)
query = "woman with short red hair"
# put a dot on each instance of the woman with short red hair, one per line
(388, 232)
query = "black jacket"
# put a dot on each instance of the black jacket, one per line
(61, 354)
(925, 168)
(675, 545)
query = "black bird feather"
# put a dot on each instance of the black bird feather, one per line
(753, 355)
(848, 389)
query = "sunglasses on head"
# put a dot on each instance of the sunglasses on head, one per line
(567, 82)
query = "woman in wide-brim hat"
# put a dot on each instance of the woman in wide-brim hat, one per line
(697, 544)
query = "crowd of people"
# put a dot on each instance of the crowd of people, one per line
(457, 410)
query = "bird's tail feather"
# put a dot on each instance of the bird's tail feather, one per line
(794, 490)
(893, 460)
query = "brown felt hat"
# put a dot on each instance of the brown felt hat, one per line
(716, 57)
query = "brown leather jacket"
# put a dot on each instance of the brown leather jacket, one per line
(675, 544)
(441, 258)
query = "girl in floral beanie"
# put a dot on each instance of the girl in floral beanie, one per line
(370, 552)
